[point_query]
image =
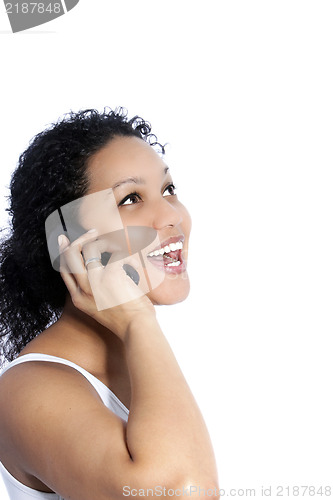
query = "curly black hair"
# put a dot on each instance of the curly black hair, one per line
(50, 173)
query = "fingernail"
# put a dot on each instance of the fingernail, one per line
(60, 240)
(91, 230)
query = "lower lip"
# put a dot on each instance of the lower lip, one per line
(169, 269)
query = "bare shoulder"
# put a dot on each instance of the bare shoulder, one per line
(50, 414)
(34, 383)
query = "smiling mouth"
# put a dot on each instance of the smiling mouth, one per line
(169, 257)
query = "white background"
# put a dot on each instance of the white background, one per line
(242, 90)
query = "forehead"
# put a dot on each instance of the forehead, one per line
(123, 157)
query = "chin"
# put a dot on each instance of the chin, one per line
(171, 291)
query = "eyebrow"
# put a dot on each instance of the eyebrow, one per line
(135, 180)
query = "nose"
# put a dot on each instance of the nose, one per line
(166, 214)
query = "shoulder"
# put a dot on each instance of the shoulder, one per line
(34, 390)
(31, 384)
(36, 396)
(40, 377)
(55, 427)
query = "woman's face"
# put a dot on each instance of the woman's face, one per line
(144, 195)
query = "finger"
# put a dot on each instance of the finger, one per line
(92, 255)
(66, 275)
(73, 255)
(112, 286)
(129, 272)
(73, 260)
(132, 260)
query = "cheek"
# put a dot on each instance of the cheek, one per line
(171, 291)
(186, 219)
(137, 216)
(186, 227)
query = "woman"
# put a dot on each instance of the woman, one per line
(95, 406)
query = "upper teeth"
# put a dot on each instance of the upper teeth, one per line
(168, 248)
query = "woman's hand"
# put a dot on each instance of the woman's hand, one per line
(107, 293)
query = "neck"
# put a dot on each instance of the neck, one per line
(94, 343)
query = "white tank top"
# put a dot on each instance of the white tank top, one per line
(17, 490)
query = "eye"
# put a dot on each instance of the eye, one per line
(170, 189)
(130, 199)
